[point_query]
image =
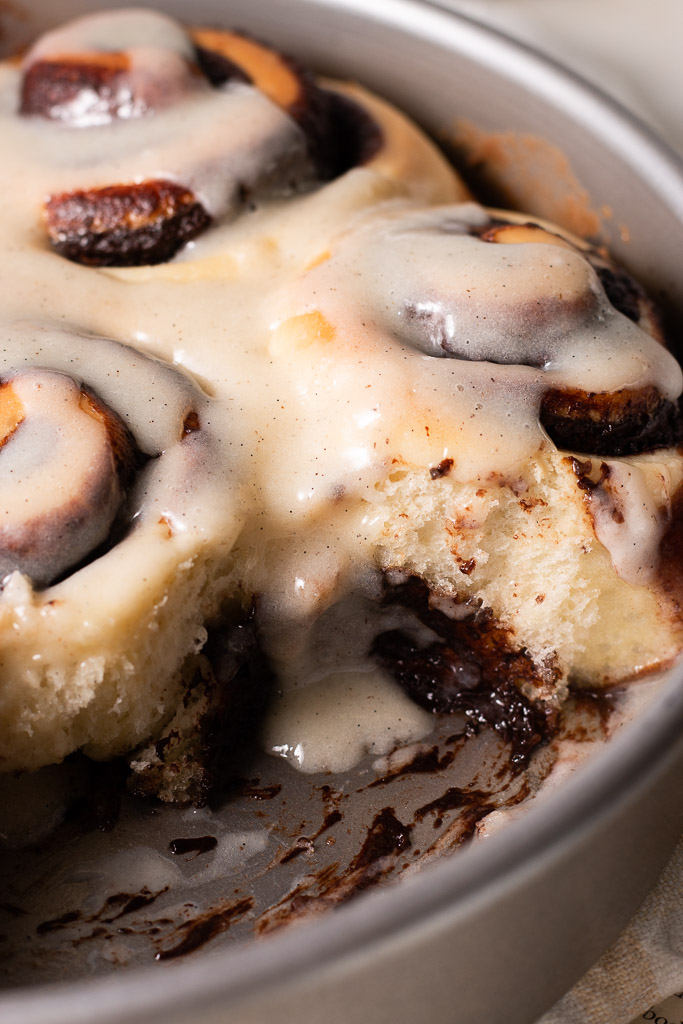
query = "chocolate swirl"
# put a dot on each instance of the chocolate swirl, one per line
(67, 461)
(481, 288)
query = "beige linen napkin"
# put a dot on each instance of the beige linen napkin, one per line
(640, 977)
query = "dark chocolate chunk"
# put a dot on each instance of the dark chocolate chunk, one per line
(611, 423)
(474, 668)
(443, 469)
(124, 225)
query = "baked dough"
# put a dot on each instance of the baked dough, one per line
(379, 423)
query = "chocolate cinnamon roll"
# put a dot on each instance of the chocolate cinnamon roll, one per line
(111, 547)
(115, 75)
(504, 290)
(518, 441)
(67, 462)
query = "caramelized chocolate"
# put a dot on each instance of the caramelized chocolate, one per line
(621, 422)
(53, 89)
(124, 225)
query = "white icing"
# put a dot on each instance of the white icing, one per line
(330, 725)
(128, 29)
(533, 305)
(213, 143)
(218, 142)
(628, 521)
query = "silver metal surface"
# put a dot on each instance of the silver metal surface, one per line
(504, 927)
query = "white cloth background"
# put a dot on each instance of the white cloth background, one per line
(634, 51)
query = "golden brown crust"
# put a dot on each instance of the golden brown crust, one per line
(269, 71)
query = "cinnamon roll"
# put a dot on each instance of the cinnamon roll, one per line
(111, 550)
(359, 434)
(116, 78)
(67, 460)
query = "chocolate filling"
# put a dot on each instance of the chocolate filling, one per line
(473, 668)
(353, 137)
(219, 69)
(625, 294)
(339, 133)
(617, 423)
(214, 728)
(124, 225)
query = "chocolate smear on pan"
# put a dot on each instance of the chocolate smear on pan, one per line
(116, 906)
(385, 841)
(332, 815)
(202, 929)
(197, 845)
